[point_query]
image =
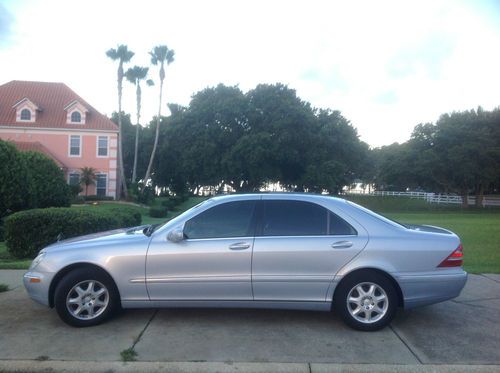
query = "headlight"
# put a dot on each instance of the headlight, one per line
(37, 260)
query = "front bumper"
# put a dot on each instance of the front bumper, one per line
(37, 285)
(424, 289)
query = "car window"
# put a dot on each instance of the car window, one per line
(232, 219)
(294, 218)
(338, 226)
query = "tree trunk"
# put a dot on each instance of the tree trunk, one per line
(479, 195)
(465, 199)
(153, 152)
(122, 185)
(138, 97)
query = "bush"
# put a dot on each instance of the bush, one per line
(27, 232)
(94, 198)
(158, 212)
(14, 180)
(47, 185)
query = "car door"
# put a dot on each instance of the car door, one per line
(212, 262)
(298, 249)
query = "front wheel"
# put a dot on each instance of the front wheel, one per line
(366, 300)
(86, 297)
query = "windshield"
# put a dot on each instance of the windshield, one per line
(155, 227)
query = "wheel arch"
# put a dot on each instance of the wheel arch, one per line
(379, 271)
(64, 271)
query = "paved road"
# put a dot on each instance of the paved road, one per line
(463, 331)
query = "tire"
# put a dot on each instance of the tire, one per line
(86, 297)
(366, 300)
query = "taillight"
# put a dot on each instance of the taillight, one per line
(455, 259)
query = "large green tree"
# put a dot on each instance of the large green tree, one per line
(123, 55)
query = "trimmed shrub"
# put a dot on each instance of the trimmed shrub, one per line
(14, 180)
(94, 198)
(158, 212)
(28, 231)
(47, 185)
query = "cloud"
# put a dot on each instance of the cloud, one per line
(6, 22)
(428, 54)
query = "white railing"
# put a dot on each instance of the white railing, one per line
(435, 197)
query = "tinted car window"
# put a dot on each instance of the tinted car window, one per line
(294, 218)
(338, 226)
(232, 219)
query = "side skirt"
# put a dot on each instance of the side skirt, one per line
(310, 306)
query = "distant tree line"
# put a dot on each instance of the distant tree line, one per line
(460, 154)
(226, 137)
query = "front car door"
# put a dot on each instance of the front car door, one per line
(213, 262)
(299, 247)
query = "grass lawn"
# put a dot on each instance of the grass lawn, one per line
(479, 229)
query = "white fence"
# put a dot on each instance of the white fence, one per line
(436, 197)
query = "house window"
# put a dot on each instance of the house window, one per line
(74, 145)
(25, 114)
(102, 146)
(74, 179)
(76, 117)
(101, 183)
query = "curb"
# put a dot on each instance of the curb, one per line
(223, 367)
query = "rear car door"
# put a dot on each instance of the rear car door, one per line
(298, 249)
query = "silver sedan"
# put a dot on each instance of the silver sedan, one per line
(293, 251)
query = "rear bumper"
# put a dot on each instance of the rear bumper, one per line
(424, 289)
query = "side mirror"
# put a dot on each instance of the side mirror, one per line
(175, 235)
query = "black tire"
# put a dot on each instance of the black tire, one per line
(364, 279)
(101, 280)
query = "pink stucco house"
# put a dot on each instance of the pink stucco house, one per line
(54, 120)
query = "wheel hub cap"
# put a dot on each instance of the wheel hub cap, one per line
(367, 302)
(87, 300)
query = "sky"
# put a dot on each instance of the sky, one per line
(386, 65)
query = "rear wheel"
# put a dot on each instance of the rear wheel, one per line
(366, 300)
(86, 297)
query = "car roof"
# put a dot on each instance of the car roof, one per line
(279, 195)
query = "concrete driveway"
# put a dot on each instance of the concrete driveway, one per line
(462, 331)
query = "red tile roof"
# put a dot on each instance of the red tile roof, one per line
(35, 146)
(51, 98)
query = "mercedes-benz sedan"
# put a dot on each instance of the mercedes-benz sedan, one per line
(294, 251)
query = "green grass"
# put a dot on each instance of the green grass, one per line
(129, 354)
(3, 288)
(8, 262)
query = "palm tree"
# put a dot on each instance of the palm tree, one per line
(134, 75)
(159, 55)
(87, 177)
(122, 55)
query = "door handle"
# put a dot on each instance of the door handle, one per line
(341, 244)
(239, 246)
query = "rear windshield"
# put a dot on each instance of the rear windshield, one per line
(378, 216)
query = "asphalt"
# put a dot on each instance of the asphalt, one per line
(458, 335)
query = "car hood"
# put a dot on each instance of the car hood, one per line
(96, 239)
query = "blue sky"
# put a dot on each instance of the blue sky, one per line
(386, 65)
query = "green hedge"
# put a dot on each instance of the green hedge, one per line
(28, 231)
(158, 212)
